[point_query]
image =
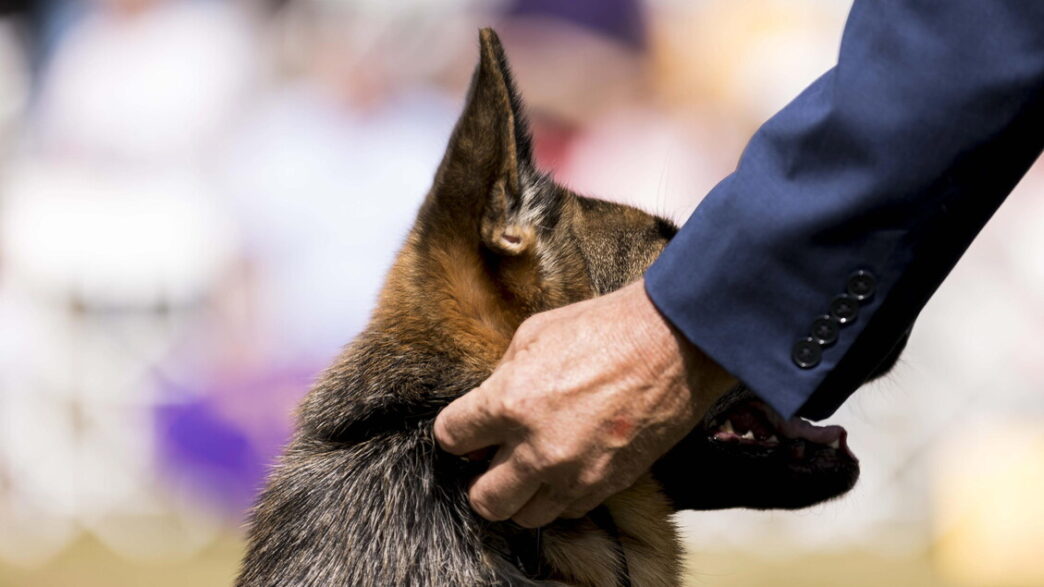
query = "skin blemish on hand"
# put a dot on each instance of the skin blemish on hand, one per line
(621, 427)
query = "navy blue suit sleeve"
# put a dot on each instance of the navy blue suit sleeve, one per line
(890, 164)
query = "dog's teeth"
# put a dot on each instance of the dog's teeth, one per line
(773, 439)
(727, 427)
(836, 444)
(748, 435)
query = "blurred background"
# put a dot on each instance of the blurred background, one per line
(199, 198)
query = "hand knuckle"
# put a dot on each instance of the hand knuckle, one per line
(540, 461)
(583, 485)
(594, 477)
(568, 456)
(529, 463)
(513, 407)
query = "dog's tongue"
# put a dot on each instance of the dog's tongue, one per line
(798, 428)
(833, 436)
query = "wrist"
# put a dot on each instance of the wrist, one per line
(704, 378)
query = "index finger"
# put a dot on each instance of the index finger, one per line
(467, 424)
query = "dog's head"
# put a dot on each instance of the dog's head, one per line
(496, 241)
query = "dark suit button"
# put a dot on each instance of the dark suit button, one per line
(825, 330)
(862, 285)
(806, 353)
(844, 308)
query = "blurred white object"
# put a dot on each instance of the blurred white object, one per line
(113, 238)
(110, 223)
(645, 159)
(325, 196)
(156, 85)
(75, 409)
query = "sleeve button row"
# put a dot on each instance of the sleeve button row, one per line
(844, 309)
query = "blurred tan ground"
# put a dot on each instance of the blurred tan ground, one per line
(89, 564)
(851, 569)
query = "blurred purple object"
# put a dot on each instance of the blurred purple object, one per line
(619, 20)
(220, 444)
(210, 454)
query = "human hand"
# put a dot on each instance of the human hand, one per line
(584, 401)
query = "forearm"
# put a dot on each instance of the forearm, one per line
(890, 163)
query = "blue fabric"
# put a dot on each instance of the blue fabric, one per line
(891, 162)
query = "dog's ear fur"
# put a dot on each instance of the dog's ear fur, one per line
(481, 181)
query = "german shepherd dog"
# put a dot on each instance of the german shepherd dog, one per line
(362, 495)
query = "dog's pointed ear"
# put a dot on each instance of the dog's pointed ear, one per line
(480, 183)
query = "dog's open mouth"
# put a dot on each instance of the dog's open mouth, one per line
(744, 454)
(751, 425)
